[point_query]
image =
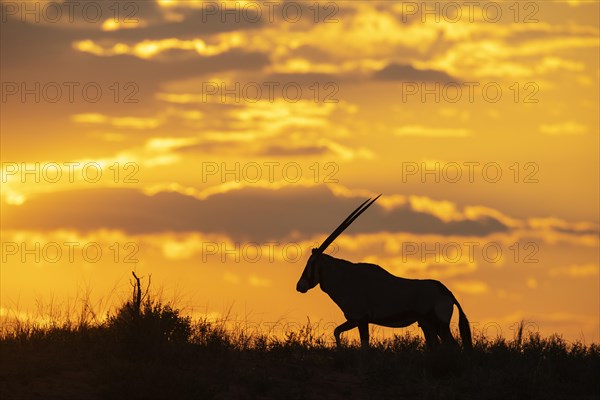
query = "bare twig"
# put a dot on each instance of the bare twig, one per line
(137, 293)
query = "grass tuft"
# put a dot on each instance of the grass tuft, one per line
(146, 349)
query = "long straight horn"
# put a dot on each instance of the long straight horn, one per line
(346, 223)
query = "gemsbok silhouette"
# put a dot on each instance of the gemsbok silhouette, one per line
(368, 294)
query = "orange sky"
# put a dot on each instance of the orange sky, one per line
(212, 147)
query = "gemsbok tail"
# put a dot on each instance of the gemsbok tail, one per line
(463, 327)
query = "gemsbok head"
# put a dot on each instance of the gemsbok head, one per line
(368, 294)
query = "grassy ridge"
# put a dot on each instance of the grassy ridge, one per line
(148, 350)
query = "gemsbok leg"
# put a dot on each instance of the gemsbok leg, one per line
(346, 326)
(446, 336)
(443, 315)
(430, 332)
(363, 330)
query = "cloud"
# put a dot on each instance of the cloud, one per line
(170, 115)
(568, 128)
(149, 49)
(511, 51)
(294, 151)
(271, 211)
(306, 80)
(561, 226)
(247, 214)
(550, 64)
(471, 287)
(398, 72)
(426, 131)
(257, 281)
(320, 148)
(270, 129)
(576, 270)
(54, 54)
(117, 122)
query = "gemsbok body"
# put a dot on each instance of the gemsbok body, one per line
(368, 294)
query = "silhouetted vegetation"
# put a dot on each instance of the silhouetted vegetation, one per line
(147, 350)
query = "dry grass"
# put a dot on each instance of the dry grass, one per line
(153, 352)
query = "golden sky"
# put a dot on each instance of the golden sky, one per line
(212, 144)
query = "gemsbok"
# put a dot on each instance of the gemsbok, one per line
(368, 294)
